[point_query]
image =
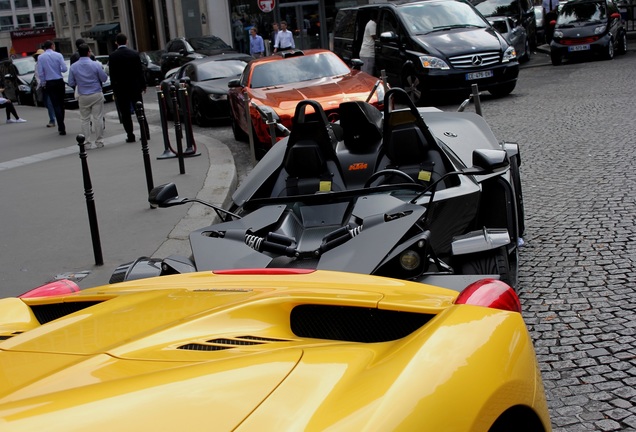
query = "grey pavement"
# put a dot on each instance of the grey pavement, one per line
(42, 171)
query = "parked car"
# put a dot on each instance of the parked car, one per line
(521, 11)
(269, 351)
(17, 74)
(182, 50)
(431, 46)
(151, 64)
(588, 27)
(515, 35)
(413, 194)
(275, 84)
(103, 59)
(207, 82)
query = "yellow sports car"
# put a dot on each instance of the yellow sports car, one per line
(268, 350)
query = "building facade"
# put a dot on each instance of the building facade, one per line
(24, 25)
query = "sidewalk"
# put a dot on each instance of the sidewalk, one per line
(45, 231)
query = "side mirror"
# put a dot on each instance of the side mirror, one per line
(164, 196)
(234, 83)
(388, 37)
(488, 161)
(356, 64)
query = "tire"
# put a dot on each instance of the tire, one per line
(239, 134)
(491, 262)
(411, 84)
(609, 54)
(556, 59)
(197, 114)
(516, 183)
(622, 47)
(503, 89)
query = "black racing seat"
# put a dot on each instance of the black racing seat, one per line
(408, 145)
(361, 125)
(309, 164)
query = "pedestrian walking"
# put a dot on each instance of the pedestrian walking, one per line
(87, 76)
(257, 46)
(284, 38)
(76, 55)
(272, 37)
(367, 50)
(10, 108)
(50, 67)
(41, 94)
(127, 78)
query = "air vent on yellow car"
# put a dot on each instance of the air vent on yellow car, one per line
(228, 343)
(49, 312)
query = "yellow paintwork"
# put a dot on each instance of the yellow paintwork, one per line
(116, 367)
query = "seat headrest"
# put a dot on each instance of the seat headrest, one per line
(406, 145)
(305, 159)
(361, 124)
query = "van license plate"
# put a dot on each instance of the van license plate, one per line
(579, 48)
(478, 75)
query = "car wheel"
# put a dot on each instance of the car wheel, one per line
(197, 113)
(622, 47)
(516, 182)
(556, 59)
(503, 89)
(609, 54)
(239, 134)
(491, 262)
(411, 84)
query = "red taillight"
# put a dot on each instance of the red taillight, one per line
(490, 293)
(264, 271)
(55, 288)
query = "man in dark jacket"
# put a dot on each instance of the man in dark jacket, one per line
(76, 55)
(127, 78)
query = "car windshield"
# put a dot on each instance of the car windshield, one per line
(25, 65)
(207, 43)
(582, 13)
(154, 56)
(298, 69)
(427, 17)
(220, 69)
(497, 7)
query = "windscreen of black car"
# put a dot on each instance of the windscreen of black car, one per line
(25, 66)
(497, 7)
(585, 13)
(298, 69)
(220, 69)
(208, 43)
(500, 26)
(427, 17)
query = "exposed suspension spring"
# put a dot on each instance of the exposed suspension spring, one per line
(254, 241)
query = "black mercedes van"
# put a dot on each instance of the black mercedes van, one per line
(430, 46)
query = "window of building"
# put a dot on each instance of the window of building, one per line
(6, 23)
(24, 21)
(64, 14)
(87, 11)
(40, 20)
(21, 4)
(38, 3)
(100, 10)
(115, 5)
(5, 5)
(74, 13)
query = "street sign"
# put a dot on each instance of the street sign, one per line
(266, 5)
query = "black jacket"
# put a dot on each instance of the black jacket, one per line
(126, 73)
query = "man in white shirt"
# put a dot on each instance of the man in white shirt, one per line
(284, 39)
(367, 54)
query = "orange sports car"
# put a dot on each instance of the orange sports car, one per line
(276, 84)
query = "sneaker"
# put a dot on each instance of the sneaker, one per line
(51, 124)
(11, 120)
(20, 120)
(99, 144)
(89, 146)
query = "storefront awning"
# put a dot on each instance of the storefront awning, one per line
(102, 31)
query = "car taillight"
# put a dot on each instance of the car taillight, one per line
(490, 293)
(264, 271)
(55, 288)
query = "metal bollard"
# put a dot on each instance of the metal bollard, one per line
(177, 129)
(476, 99)
(141, 118)
(167, 150)
(90, 203)
(184, 101)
